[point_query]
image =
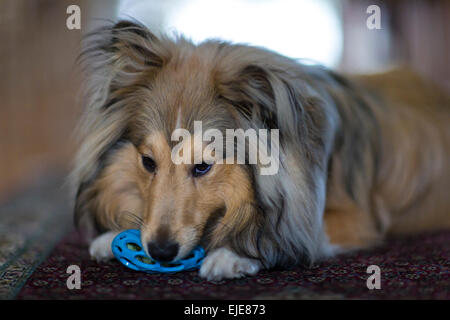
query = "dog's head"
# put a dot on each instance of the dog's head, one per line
(143, 89)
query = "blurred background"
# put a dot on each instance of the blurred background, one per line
(39, 79)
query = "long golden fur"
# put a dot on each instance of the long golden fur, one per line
(361, 158)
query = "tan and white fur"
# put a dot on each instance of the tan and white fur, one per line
(361, 158)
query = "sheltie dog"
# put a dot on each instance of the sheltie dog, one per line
(360, 158)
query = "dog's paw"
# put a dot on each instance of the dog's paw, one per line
(223, 263)
(100, 248)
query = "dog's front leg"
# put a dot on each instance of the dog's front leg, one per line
(223, 263)
(100, 247)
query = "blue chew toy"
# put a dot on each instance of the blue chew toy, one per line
(127, 248)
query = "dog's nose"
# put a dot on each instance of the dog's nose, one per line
(164, 251)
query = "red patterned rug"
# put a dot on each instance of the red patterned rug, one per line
(413, 268)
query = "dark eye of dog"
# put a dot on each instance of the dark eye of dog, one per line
(148, 164)
(201, 169)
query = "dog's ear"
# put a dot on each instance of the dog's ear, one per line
(250, 91)
(129, 40)
(276, 96)
(120, 57)
(267, 95)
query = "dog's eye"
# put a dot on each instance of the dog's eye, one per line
(201, 169)
(148, 164)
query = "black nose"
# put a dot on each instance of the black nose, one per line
(164, 251)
